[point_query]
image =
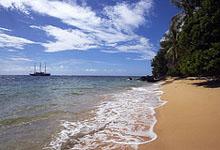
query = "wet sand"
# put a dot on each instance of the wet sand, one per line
(191, 118)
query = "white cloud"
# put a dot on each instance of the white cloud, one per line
(67, 40)
(110, 51)
(126, 17)
(13, 41)
(72, 14)
(115, 26)
(91, 70)
(4, 29)
(13, 67)
(12, 50)
(20, 59)
(141, 46)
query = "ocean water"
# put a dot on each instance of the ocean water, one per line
(76, 112)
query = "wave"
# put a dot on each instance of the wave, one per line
(126, 119)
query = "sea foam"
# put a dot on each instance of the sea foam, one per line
(126, 119)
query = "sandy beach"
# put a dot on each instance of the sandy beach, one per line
(191, 118)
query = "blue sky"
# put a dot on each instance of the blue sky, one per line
(82, 37)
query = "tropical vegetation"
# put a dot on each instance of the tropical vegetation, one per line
(191, 46)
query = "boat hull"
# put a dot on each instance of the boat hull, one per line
(40, 74)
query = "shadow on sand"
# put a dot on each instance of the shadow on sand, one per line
(209, 83)
(172, 80)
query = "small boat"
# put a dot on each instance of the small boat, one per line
(40, 73)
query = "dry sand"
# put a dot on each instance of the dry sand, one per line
(191, 118)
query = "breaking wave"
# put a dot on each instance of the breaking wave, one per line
(126, 119)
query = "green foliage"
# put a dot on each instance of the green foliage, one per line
(159, 64)
(202, 62)
(192, 47)
(187, 5)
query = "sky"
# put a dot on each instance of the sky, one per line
(82, 37)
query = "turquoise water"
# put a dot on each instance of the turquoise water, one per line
(22, 96)
(32, 109)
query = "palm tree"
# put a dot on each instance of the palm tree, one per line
(172, 51)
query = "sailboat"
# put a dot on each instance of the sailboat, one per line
(40, 73)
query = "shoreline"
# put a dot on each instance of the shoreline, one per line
(112, 123)
(190, 117)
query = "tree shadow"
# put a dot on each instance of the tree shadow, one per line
(209, 83)
(171, 81)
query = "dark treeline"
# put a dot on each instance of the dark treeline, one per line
(191, 46)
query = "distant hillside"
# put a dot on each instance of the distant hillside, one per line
(191, 46)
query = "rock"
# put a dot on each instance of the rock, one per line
(148, 78)
(130, 78)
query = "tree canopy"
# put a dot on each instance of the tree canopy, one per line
(191, 47)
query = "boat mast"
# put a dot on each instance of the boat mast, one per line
(34, 68)
(40, 67)
(45, 69)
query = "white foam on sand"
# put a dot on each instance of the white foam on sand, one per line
(125, 120)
